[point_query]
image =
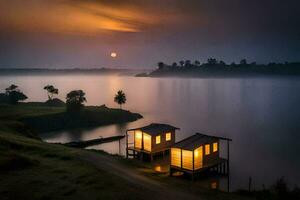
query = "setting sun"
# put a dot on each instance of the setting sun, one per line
(113, 54)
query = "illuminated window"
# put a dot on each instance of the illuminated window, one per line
(215, 147)
(207, 149)
(214, 185)
(138, 135)
(157, 139)
(138, 139)
(168, 136)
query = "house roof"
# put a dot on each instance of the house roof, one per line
(197, 140)
(155, 128)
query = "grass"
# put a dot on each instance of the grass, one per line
(32, 169)
(43, 118)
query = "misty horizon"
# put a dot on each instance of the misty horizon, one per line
(54, 34)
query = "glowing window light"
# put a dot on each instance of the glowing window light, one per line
(157, 139)
(214, 185)
(158, 168)
(215, 147)
(207, 149)
(168, 136)
(196, 153)
(138, 135)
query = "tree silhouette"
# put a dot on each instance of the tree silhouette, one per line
(197, 63)
(75, 100)
(51, 91)
(14, 94)
(187, 63)
(243, 62)
(181, 63)
(212, 61)
(161, 65)
(120, 98)
(174, 65)
(222, 63)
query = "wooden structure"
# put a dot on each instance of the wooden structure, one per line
(101, 140)
(150, 140)
(198, 153)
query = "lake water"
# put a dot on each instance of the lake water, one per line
(261, 115)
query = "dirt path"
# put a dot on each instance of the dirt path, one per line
(119, 169)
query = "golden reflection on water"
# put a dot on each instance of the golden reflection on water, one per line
(158, 168)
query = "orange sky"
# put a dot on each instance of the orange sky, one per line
(82, 17)
(55, 33)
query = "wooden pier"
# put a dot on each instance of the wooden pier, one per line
(84, 144)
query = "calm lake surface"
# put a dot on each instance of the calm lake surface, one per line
(261, 115)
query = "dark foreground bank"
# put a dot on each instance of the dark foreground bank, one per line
(32, 169)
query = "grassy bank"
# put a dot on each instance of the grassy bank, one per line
(32, 169)
(43, 118)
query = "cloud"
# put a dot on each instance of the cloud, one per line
(76, 17)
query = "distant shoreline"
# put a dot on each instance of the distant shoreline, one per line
(222, 70)
(70, 71)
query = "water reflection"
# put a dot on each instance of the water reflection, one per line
(261, 115)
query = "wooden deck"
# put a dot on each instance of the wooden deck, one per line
(220, 165)
(139, 152)
(145, 151)
(83, 144)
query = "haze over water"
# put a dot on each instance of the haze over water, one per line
(261, 115)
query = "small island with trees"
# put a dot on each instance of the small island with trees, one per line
(218, 68)
(54, 114)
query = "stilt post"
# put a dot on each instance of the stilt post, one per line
(119, 146)
(228, 168)
(126, 144)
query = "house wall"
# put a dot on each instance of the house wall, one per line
(213, 155)
(147, 139)
(176, 157)
(187, 159)
(198, 158)
(163, 143)
(137, 139)
(184, 158)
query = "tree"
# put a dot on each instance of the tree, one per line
(14, 94)
(222, 63)
(243, 62)
(181, 63)
(212, 61)
(187, 63)
(75, 100)
(161, 65)
(174, 65)
(197, 63)
(120, 98)
(51, 91)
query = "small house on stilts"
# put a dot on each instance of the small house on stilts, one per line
(198, 153)
(150, 140)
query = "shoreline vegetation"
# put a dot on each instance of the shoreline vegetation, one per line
(54, 114)
(69, 71)
(33, 169)
(218, 68)
(43, 118)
